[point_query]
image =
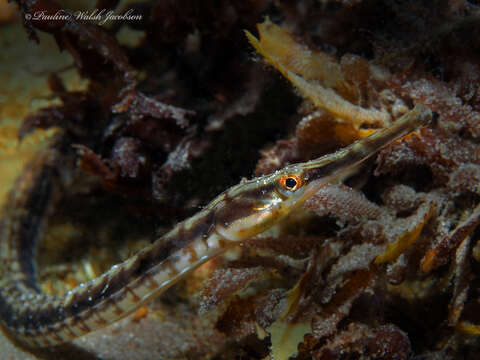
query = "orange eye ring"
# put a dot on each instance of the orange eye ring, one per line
(290, 182)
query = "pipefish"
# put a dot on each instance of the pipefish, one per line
(37, 319)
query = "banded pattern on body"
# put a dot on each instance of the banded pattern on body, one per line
(43, 320)
(239, 213)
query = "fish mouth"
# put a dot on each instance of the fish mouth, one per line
(332, 167)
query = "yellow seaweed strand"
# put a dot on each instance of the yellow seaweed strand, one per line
(322, 97)
(395, 249)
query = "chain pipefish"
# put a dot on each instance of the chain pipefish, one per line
(40, 320)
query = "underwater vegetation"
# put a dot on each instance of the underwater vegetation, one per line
(197, 95)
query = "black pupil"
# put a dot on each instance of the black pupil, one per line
(290, 182)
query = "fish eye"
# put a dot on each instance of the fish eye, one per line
(290, 182)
